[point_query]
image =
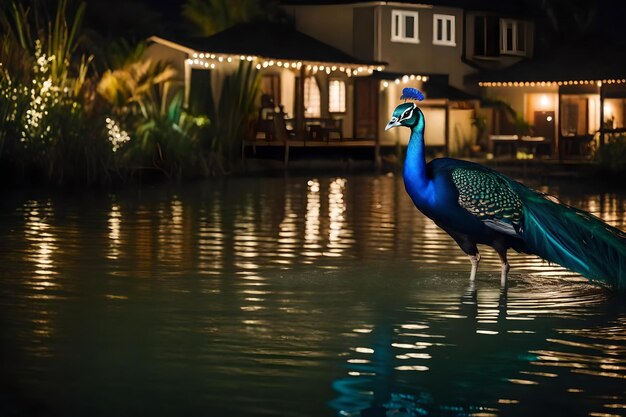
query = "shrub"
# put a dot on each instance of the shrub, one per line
(612, 156)
(49, 131)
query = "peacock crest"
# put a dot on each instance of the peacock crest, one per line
(410, 93)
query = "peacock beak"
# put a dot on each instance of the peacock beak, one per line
(392, 123)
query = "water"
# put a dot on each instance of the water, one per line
(291, 297)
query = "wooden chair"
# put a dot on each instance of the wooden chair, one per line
(332, 126)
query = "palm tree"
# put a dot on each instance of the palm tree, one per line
(567, 20)
(212, 16)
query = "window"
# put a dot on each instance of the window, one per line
(443, 30)
(336, 96)
(486, 36)
(404, 26)
(614, 111)
(270, 86)
(513, 37)
(312, 101)
(574, 115)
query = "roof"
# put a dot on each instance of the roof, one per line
(508, 6)
(435, 90)
(269, 40)
(436, 86)
(567, 63)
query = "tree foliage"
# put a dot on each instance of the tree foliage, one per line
(211, 16)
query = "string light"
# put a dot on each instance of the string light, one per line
(117, 136)
(406, 78)
(42, 95)
(206, 60)
(549, 83)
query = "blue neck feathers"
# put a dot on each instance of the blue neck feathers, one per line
(415, 161)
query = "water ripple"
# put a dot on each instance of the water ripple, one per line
(258, 296)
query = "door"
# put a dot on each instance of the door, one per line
(365, 108)
(544, 125)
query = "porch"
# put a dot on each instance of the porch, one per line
(572, 102)
(310, 83)
(314, 95)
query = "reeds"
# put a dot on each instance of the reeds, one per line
(61, 122)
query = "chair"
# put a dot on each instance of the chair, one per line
(332, 126)
(280, 127)
(508, 142)
(266, 128)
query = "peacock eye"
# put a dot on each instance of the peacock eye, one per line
(407, 114)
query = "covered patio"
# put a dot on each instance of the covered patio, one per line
(305, 82)
(572, 100)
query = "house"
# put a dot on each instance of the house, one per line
(574, 97)
(348, 61)
(444, 41)
(309, 79)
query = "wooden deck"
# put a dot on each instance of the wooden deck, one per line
(366, 148)
(295, 143)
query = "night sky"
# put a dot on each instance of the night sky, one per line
(138, 19)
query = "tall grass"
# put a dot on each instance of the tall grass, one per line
(48, 125)
(161, 136)
(232, 116)
(63, 123)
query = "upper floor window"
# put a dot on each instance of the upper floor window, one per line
(513, 37)
(312, 100)
(486, 36)
(336, 96)
(404, 26)
(443, 30)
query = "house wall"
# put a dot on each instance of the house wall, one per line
(424, 57)
(461, 134)
(364, 34)
(176, 58)
(328, 23)
(514, 96)
(435, 128)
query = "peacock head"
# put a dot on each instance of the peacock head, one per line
(407, 114)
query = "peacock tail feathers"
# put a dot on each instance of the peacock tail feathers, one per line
(573, 238)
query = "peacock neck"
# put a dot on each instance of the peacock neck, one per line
(415, 161)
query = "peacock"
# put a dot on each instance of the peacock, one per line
(477, 205)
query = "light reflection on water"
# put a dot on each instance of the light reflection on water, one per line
(294, 297)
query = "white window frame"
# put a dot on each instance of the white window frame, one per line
(400, 16)
(503, 37)
(312, 97)
(444, 18)
(336, 103)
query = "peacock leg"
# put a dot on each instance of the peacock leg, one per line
(469, 247)
(504, 274)
(474, 259)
